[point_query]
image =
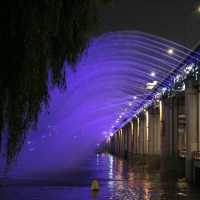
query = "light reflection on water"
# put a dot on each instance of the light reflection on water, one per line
(119, 180)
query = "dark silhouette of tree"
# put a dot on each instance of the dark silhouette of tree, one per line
(36, 37)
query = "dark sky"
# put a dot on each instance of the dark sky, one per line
(177, 20)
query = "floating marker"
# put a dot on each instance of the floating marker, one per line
(95, 185)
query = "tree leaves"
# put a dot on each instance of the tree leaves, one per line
(36, 37)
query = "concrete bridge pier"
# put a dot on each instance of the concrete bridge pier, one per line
(191, 107)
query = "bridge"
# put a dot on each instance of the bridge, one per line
(168, 127)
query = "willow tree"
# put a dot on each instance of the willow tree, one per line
(36, 37)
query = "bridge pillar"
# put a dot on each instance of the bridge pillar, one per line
(141, 134)
(151, 131)
(138, 136)
(191, 125)
(130, 137)
(174, 127)
(146, 132)
(198, 117)
(122, 142)
(166, 127)
(134, 136)
(157, 137)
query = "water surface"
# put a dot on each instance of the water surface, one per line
(118, 179)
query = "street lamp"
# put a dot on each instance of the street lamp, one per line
(198, 9)
(153, 74)
(170, 51)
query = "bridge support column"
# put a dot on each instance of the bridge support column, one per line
(125, 142)
(166, 127)
(157, 137)
(198, 146)
(135, 136)
(191, 125)
(141, 135)
(174, 127)
(130, 136)
(151, 131)
(138, 135)
(146, 133)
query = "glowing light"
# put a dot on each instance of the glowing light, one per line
(164, 89)
(183, 87)
(130, 103)
(135, 97)
(189, 68)
(170, 51)
(138, 127)
(153, 74)
(198, 9)
(161, 110)
(151, 85)
(147, 131)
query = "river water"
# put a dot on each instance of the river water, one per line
(119, 180)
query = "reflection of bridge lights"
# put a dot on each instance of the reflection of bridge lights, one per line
(110, 173)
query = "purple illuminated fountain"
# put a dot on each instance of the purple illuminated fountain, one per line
(116, 76)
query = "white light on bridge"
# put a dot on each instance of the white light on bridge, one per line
(170, 51)
(164, 90)
(135, 97)
(153, 74)
(130, 103)
(150, 86)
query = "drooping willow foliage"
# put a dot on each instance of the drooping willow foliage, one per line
(35, 39)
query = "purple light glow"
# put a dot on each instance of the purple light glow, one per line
(107, 87)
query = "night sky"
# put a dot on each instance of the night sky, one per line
(177, 20)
